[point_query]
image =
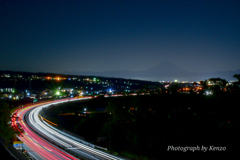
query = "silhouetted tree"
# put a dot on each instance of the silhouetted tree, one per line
(6, 131)
(174, 88)
(237, 76)
(194, 83)
(219, 81)
(204, 84)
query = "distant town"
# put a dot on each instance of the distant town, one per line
(27, 85)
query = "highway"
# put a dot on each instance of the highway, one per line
(43, 141)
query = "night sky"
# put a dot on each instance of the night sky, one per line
(106, 35)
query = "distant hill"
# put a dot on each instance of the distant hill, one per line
(164, 71)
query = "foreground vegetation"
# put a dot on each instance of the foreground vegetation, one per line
(6, 131)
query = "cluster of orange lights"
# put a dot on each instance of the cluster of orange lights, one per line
(56, 78)
(188, 89)
(185, 89)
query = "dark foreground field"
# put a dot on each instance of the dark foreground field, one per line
(157, 126)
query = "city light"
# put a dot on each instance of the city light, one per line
(208, 93)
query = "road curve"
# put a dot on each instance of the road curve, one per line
(42, 141)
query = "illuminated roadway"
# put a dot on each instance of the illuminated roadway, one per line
(42, 141)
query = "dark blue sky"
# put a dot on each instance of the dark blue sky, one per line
(56, 36)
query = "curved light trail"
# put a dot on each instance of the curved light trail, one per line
(43, 141)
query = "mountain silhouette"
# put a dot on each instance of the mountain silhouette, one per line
(163, 71)
(165, 66)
